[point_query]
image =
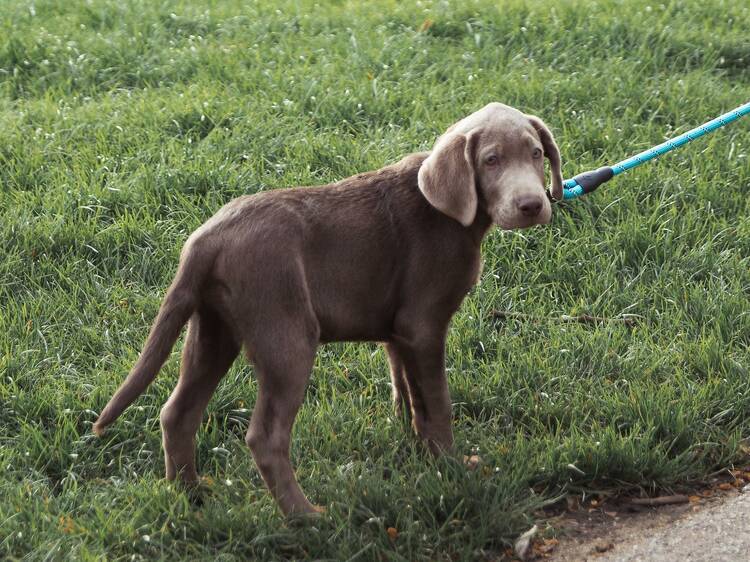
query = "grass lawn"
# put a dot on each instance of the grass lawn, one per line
(125, 124)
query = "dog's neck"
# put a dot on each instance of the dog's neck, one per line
(480, 226)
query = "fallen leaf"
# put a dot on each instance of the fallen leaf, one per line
(572, 503)
(694, 499)
(522, 546)
(426, 24)
(472, 462)
(66, 524)
(575, 469)
(546, 547)
(725, 486)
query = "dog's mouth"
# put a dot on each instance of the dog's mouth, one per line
(517, 221)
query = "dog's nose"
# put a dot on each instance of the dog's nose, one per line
(529, 205)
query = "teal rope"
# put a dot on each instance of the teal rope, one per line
(572, 188)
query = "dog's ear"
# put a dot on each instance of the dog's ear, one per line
(447, 179)
(552, 153)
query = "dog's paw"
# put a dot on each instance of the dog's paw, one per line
(197, 491)
(308, 517)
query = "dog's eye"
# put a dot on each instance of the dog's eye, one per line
(537, 153)
(491, 160)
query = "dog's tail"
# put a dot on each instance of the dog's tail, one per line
(176, 308)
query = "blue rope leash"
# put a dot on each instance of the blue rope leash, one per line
(589, 181)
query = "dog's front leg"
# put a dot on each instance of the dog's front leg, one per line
(399, 384)
(424, 367)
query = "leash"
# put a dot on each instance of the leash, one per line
(589, 181)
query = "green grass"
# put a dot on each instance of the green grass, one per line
(124, 125)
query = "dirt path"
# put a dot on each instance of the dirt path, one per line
(715, 529)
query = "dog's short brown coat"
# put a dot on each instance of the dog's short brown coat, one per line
(385, 256)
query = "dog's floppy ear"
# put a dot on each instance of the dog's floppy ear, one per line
(447, 180)
(552, 153)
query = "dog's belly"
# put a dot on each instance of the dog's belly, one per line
(354, 328)
(354, 312)
(353, 286)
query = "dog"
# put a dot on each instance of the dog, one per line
(384, 256)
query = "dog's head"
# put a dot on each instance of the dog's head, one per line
(493, 159)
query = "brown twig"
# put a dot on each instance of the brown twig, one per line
(629, 321)
(661, 500)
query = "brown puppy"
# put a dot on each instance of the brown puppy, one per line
(386, 256)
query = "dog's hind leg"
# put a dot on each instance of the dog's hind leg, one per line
(283, 368)
(208, 353)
